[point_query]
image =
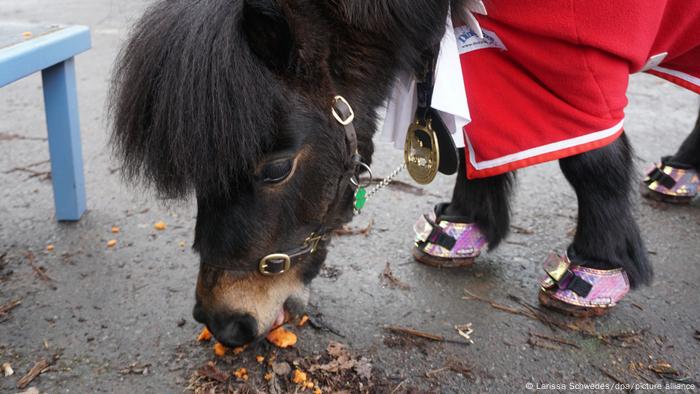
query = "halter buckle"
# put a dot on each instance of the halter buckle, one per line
(338, 116)
(266, 262)
(312, 242)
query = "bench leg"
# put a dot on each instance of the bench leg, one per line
(63, 124)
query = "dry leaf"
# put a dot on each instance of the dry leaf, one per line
(209, 370)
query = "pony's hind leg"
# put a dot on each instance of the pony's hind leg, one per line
(479, 213)
(675, 178)
(607, 235)
(689, 151)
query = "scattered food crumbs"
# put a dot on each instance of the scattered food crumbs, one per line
(299, 377)
(310, 385)
(116, 230)
(27, 34)
(111, 243)
(259, 359)
(241, 374)
(160, 226)
(282, 338)
(317, 390)
(302, 322)
(465, 331)
(182, 244)
(49, 248)
(238, 350)
(204, 336)
(219, 349)
(7, 369)
(268, 376)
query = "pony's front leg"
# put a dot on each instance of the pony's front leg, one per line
(675, 178)
(607, 255)
(454, 233)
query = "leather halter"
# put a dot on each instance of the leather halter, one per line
(281, 262)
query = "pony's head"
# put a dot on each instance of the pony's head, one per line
(231, 101)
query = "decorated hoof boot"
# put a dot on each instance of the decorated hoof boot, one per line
(446, 241)
(581, 291)
(675, 183)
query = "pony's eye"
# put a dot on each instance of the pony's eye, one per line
(276, 171)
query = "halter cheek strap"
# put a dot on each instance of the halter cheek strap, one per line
(279, 263)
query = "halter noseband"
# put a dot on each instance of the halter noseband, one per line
(279, 263)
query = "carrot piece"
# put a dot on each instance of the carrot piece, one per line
(204, 336)
(282, 338)
(241, 374)
(302, 322)
(299, 377)
(219, 349)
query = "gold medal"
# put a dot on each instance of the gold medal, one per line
(421, 152)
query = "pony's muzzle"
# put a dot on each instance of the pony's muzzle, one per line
(232, 329)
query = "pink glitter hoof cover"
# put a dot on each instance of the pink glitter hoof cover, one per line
(672, 181)
(447, 237)
(582, 286)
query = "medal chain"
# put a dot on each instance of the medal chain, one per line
(384, 183)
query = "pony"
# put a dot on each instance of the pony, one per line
(264, 111)
(229, 102)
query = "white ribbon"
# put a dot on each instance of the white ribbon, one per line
(449, 96)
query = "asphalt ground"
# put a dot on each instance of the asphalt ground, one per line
(119, 319)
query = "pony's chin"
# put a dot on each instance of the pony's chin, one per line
(292, 309)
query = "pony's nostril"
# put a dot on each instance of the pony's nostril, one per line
(237, 330)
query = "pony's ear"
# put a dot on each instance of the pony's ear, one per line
(268, 33)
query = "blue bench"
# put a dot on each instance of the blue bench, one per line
(26, 49)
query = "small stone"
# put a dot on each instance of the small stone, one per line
(7, 369)
(281, 369)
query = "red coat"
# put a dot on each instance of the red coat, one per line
(549, 79)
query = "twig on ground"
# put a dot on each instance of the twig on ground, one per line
(556, 339)
(8, 306)
(608, 373)
(39, 271)
(533, 341)
(504, 308)
(422, 334)
(13, 136)
(454, 366)
(522, 230)
(398, 386)
(390, 280)
(415, 333)
(39, 367)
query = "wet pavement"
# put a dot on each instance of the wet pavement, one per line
(119, 319)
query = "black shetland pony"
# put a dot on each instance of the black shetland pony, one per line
(234, 102)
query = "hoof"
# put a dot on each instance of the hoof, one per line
(656, 196)
(568, 309)
(441, 262)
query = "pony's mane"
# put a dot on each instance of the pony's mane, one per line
(191, 107)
